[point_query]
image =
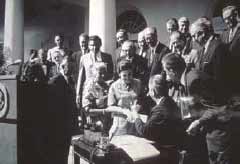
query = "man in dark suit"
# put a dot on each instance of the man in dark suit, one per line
(231, 37)
(213, 54)
(121, 37)
(45, 64)
(86, 65)
(155, 52)
(61, 113)
(164, 121)
(76, 56)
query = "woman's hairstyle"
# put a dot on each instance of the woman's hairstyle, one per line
(174, 61)
(96, 39)
(124, 64)
(159, 84)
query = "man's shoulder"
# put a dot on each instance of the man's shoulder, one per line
(75, 53)
(55, 79)
(106, 56)
(161, 47)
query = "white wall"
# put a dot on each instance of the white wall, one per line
(157, 12)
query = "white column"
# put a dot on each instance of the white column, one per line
(102, 22)
(14, 29)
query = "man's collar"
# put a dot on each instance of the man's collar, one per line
(206, 45)
(156, 45)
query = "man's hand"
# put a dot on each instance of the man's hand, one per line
(135, 107)
(193, 128)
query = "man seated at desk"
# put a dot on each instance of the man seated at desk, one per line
(163, 125)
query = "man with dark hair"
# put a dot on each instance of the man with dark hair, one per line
(217, 120)
(174, 66)
(76, 56)
(121, 37)
(231, 37)
(59, 41)
(61, 114)
(156, 50)
(172, 25)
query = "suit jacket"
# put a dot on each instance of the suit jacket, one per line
(49, 66)
(76, 57)
(116, 59)
(160, 51)
(163, 125)
(212, 61)
(62, 107)
(233, 59)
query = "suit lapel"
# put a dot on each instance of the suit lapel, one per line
(235, 39)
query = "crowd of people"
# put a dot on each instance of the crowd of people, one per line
(189, 89)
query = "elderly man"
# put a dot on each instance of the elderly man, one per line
(183, 27)
(172, 25)
(142, 45)
(59, 41)
(76, 56)
(139, 64)
(184, 24)
(231, 37)
(87, 62)
(213, 53)
(156, 50)
(179, 42)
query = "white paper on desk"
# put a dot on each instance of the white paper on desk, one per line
(143, 117)
(137, 148)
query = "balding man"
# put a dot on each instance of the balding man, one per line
(213, 52)
(172, 25)
(156, 50)
(139, 64)
(179, 42)
(231, 37)
(142, 45)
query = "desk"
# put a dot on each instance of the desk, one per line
(116, 155)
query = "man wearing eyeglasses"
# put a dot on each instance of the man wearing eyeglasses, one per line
(231, 37)
(213, 53)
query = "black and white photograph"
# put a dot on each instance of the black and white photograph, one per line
(119, 81)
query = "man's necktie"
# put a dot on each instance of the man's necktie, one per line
(231, 34)
(151, 56)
